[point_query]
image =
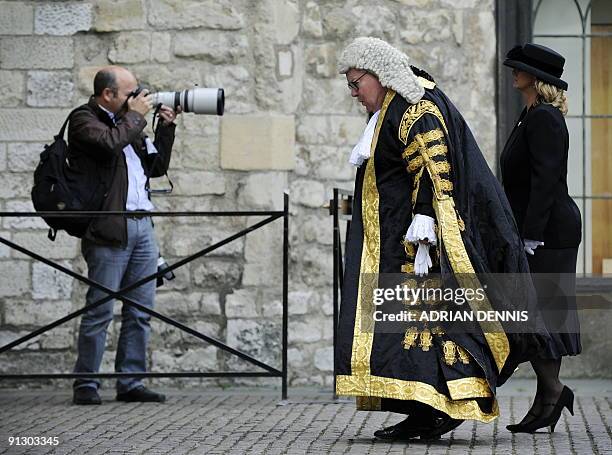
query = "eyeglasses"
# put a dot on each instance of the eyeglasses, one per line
(353, 85)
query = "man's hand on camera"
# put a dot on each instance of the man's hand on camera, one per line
(141, 103)
(168, 115)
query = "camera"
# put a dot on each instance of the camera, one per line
(210, 101)
(161, 266)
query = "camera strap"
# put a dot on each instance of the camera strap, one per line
(155, 126)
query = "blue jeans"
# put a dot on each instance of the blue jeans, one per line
(117, 268)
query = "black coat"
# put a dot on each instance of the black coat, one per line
(97, 159)
(534, 176)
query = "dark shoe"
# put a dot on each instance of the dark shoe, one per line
(406, 429)
(141, 394)
(442, 424)
(517, 426)
(566, 400)
(86, 395)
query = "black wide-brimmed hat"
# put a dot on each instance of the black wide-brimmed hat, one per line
(541, 61)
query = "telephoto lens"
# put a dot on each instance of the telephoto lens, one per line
(209, 101)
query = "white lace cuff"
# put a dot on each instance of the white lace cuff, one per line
(421, 228)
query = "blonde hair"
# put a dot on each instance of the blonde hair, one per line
(550, 94)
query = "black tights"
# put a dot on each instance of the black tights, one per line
(548, 389)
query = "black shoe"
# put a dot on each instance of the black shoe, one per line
(406, 429)
(442, 424)
(566, 400)
(141, 394)
(514, 428)
(86, 395)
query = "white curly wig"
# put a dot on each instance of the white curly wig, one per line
(390, 65)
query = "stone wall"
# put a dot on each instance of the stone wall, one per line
(290, 124)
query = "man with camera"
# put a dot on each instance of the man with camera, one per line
(108, 148)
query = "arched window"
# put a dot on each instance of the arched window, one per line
(581, 30)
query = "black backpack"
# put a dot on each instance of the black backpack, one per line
(57, 188)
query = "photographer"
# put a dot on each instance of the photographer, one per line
(109, 149)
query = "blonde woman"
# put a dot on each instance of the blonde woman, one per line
(534, 173)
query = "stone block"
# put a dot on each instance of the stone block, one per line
(313, 129)
(5, 251)
(434, 25)
(181, 14)
(118, 15)
(212, 46)
(316, 229)
(242, 303)
(312, 25)
(257, 142)
(24, 156)
(210, 303)
(3, 159)
(217, 274)
(309, 193)
(295, 358)
(331, 162)
(177, 303)
(64, 246)
(459, 3)
(324, 359)
(301, 302)
(8, 336)
(31, 124)
(338, 23)
(263, 255)
(186, 240)
(17, 18)
(375, 20)
(165, 77)
(303, 332)
(416, 3)
(50, 88)
(346, 130)
(272, 309)
(195, 183)
(86, 77)
(323, 96)
(16, 280)
(315, 267)
(161, 44)
(58, 338)
(11, 88)
(36, 312)
(321, 60)
(258, 338)
(15, 185)
(62, 18)
(130, 47)
(285, 21)
(51, 284)
(262, 191)
(31, 52)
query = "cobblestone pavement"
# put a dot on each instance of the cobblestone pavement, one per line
(256, 421)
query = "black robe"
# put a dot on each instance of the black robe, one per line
(425, 160)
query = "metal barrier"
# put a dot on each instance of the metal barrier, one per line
(269, 370)
(340, 209)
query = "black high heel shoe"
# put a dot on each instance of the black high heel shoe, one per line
(515, 427)
(566, 400)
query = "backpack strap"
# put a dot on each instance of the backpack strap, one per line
(63, 128)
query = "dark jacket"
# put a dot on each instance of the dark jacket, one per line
(534, 176)
(96, 155)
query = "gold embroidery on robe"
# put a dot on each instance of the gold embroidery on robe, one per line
(415, 112)
(361, 382)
